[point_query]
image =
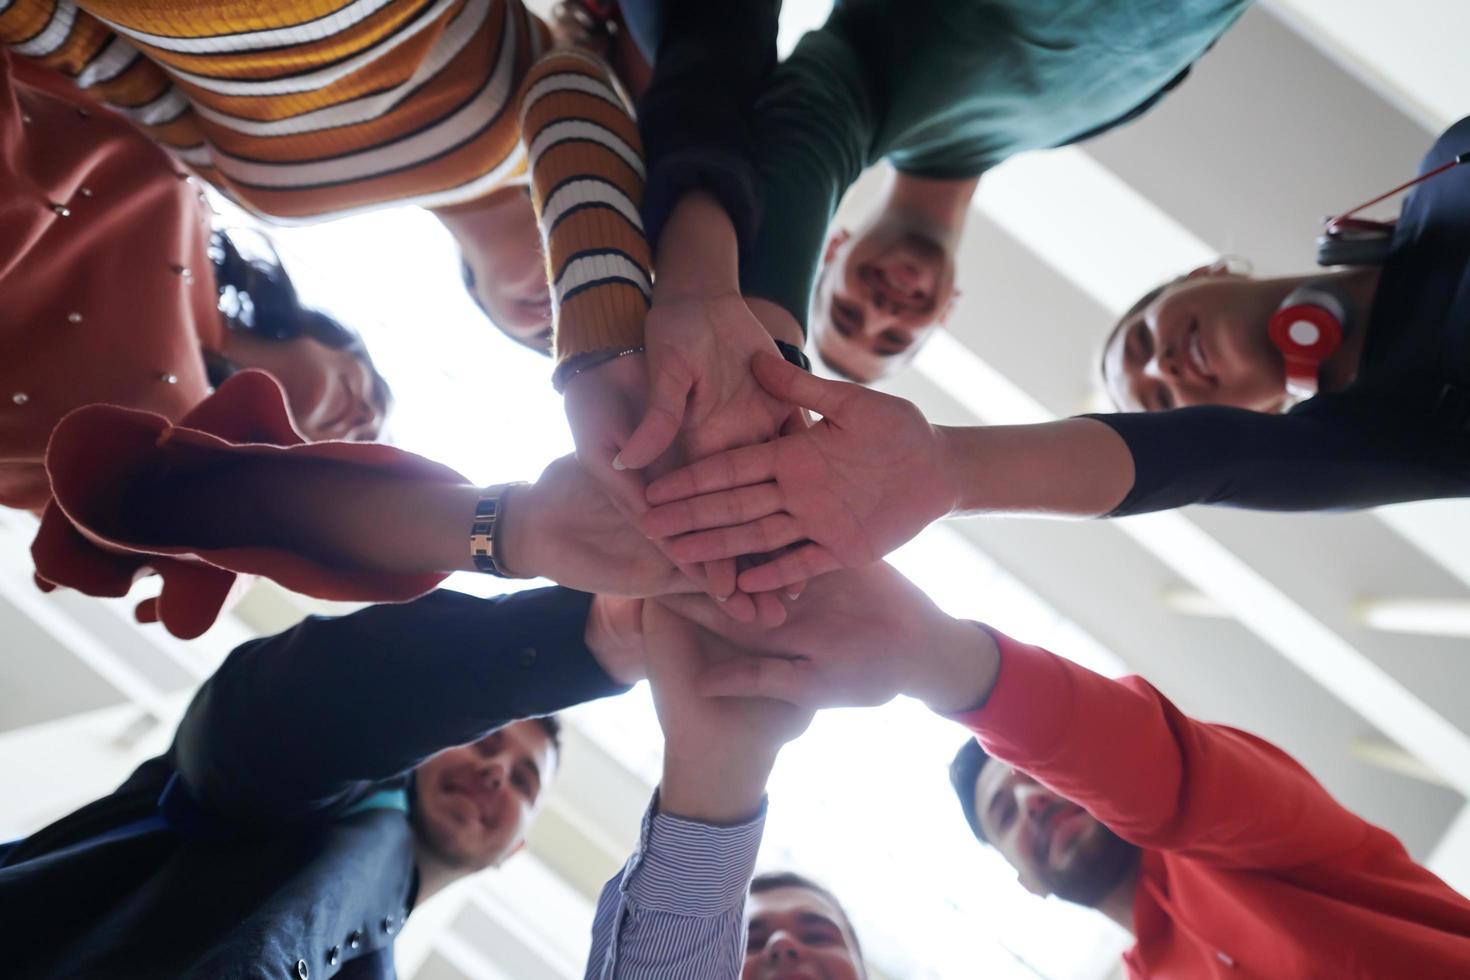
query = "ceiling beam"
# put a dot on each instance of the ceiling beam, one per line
(1410, 51)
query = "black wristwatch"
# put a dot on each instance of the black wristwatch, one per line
(795, 355)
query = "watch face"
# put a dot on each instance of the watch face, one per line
(794, 355)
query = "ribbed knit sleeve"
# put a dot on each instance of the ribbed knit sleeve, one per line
(586, 164)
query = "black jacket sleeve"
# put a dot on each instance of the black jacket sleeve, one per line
(309, 720)
(1332, 455)
(713, 58)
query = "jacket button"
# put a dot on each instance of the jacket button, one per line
(333, 955)
(528, 656)
(303, 972)
(354, 940)
(388, 923)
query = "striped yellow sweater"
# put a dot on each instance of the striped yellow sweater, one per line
(308, 109)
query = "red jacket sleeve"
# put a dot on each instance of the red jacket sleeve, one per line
(94, 537)
(1158, 778)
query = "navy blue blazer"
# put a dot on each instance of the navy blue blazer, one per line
(265, 865)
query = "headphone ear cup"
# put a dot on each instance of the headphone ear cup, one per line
(1307, 329)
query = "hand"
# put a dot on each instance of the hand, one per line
(857, 484)
(601, 405)
(856, 638)
(704, 400)
(700, 335)
(702, 393)
(564, 527)
(717, 751)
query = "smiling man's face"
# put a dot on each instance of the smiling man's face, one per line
(1056, 847)
(476, 802)
(880, 295)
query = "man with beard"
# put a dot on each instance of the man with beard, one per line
(1056, 847)
(1217, 850)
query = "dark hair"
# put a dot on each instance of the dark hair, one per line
(964, 772)
(257, 297)
(1132, 311)
(551, 724)
(771, 880)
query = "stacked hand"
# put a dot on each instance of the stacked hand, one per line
(703, 396)
(729, 695)
(718, 751)
(564, 527)
(856, 638)
(846, 491)
(691, 395)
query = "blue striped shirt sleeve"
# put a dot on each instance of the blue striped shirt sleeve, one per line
(676, 911)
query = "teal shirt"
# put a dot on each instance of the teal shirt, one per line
(947, 89)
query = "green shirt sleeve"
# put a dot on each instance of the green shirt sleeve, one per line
(813, 129)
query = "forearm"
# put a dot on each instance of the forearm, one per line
(1161, 779)
(959, 669)
(362, 519)
(711, 62)
(334, 514)
(405, 681)
(1073, 467)
(676, 908)
(587, 186)
(697, 254)
(1337, 452)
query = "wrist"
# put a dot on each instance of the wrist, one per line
(698, 256)
(948, 476)
(960, 669)
(520, 513)
(699, 788)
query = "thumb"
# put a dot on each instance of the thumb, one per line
(778, 678)
(656, 433)
(791, 384)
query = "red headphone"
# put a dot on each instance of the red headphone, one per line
(1307, 329)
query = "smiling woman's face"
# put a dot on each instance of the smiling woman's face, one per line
(1201, 341)
(331, 392)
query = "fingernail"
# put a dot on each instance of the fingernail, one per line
(617, 463)
(793, 596)
(722, 598)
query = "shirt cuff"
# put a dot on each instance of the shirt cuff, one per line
(1029, 709)
(691, 868)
